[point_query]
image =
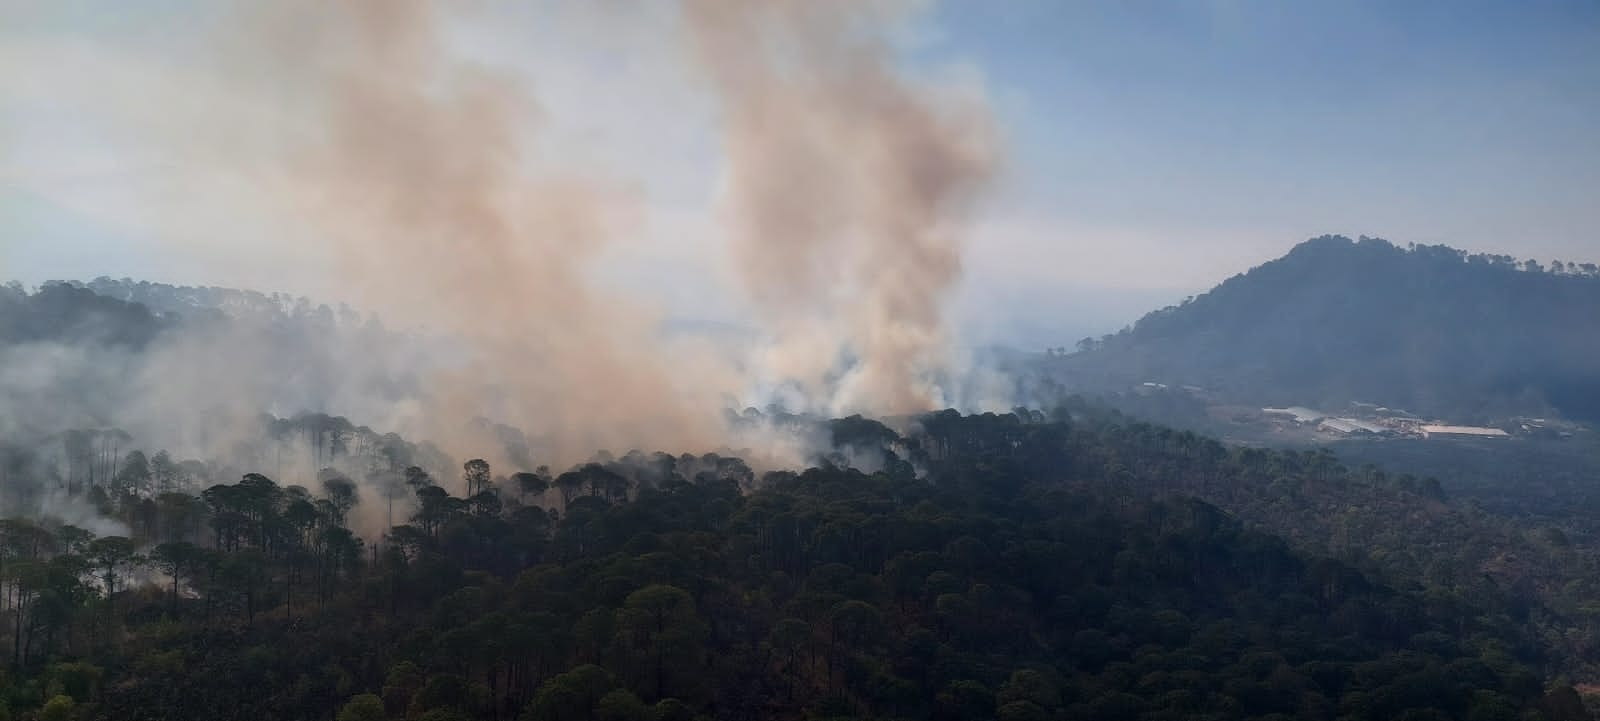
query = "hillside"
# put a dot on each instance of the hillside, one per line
(64, 313)
(1029, 574)
(172, 364)
(1071, 564)
(1430, 329)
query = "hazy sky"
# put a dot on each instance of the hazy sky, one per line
(1153, 148)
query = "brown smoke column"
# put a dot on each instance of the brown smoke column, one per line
(419, 171)
(847, 184)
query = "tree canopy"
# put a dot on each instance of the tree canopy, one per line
(1432, 329)
(1000, 566)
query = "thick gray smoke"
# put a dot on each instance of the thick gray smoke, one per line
(847, 185)
(423, 176)
(425, 179)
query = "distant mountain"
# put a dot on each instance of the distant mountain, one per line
(172, 362)
(1430, 329)
(65, 313)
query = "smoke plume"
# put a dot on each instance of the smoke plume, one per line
(847, 185)
(423, 175)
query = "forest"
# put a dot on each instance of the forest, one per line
(682, 363)
(1072, 564)
(1428, 328)
(1066, 562)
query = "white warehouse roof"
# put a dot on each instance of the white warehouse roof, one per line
(1350, 425)
(1463, 431)
(1301, 413)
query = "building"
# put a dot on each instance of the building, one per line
(1367, 426)
(1300, 414)
(1338, 425)
(1434, 431)
(1350, 425)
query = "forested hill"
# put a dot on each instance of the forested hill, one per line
(1027, 571)
(119, 353)
(64, 313)
(190, 301)
(1428, 328)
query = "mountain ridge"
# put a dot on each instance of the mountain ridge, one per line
(1430, 328)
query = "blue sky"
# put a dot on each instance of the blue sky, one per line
(1154, 148)
(1475, 124)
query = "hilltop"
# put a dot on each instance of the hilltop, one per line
(1431, 329)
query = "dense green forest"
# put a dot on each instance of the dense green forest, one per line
(1547, 481)
(1014, 566)
(1431, 329)
(65, 313)
(683, 361)
(1078, 563)
(60, 309)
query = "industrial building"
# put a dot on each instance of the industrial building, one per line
(1434, 431)
(1350, 425)
(1300, 414)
